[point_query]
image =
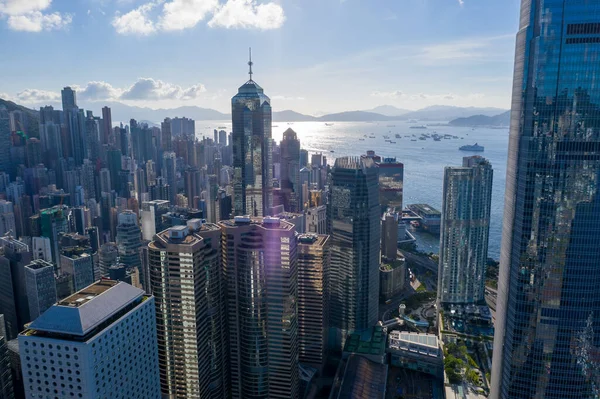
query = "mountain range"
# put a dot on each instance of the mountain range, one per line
(123, 113)
(502, 119)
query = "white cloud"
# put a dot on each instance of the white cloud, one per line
(388, 94)
(5, 96)
(37, 21)
(193, 92)
(144, 89)
(95, 91)
(184, 14)
(248, 14)
(153, 89)
(461, 2)
(27, 16)
(136, 22)
(36, 96)
(20, 7)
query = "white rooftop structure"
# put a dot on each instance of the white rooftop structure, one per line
(424, 344)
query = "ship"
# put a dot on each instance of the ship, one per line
(329, 124)
(475, 147)
(398, 136)
(418, 127)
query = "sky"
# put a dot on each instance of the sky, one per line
(312, 56)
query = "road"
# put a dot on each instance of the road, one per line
(386, 310)
(420, 260)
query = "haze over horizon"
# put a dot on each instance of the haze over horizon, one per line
(166, 54)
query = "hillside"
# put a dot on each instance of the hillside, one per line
(502, 119)
(33, 117)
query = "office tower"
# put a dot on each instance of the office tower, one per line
(252, 155)
(548, 307)
(169, 173)
(316, 219)
(108, 256)
(115, 165)
(5, 141)
(7, 218)
(151, 217)
(87, 179)
(98, 343)
(6, 379)
(389, 235)
(54, 221)
(290, 169)
(353, 215)
(166, 136)
(14, 256)
(465, 227)
(79, 264)
(222, 138)
(183, 127)
(41, 248)
(313, 266)
(106, 126)
(40, 284)
(260, 263)
(129, 239)
(69, 98)
(186, 280)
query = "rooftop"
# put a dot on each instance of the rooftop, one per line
(81, 312)
(362, 378)
(398, 338)
(370, 342)
(424, 209)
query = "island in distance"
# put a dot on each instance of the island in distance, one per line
(501, 120)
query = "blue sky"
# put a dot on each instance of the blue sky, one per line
(313, 56)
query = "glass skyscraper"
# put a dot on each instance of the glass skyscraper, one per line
(252, 154)
(547, 339)
(353, 215)
(465, 228)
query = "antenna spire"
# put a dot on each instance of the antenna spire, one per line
(250, 63)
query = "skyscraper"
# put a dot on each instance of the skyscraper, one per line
(107, 126)
(355, 239)
(169, 173)
(260, 263)
(69, 98)
(290, 170)
(6, 379)
(5, 140)
(186, 279)
(252, 156)
(98, 343)
(129, 239)
(547, 330)
(465, 228)
(41, 287)
(313, 266)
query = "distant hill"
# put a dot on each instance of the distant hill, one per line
(447, 113)
(502, 119)
(355, 116)
(123, 113)
(33, 116)
(389, 110)
(291, 116)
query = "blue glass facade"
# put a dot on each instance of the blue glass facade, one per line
(252, 151)
(547, 342)
(355, 229)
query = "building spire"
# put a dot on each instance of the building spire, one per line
(250, 63)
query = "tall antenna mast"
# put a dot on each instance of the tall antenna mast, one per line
(250, 63)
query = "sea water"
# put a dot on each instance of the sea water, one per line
(424, 160)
